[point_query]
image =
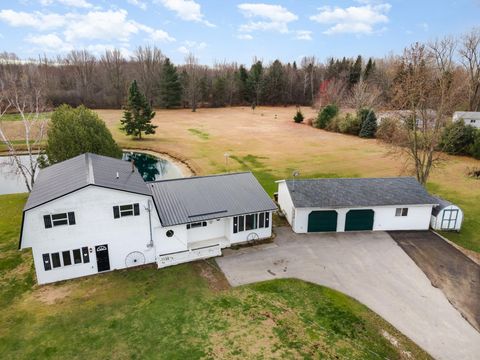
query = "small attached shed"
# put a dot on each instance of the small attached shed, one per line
(446, 216)
(323, 205)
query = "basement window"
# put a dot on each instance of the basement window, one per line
(401, 211)
(126, 210)
(64, 258)
(59, 219)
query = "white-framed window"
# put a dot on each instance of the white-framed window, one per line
(251, 222)
(65, 258)
(59, 219)
(196, 225)
(126, 210)
(401, 212)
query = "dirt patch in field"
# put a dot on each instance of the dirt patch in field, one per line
(51, 294)
(214, 276)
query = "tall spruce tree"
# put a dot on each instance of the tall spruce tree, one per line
(170, 87)
(138, 114)
(355, 72)
(369, 124)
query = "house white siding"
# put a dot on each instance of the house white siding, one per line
(469, 117)
(95, 225)
(439, 222)
(285, 202)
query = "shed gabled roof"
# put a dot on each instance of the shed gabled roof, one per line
(358, 192)
(187, 200)
(87, 169)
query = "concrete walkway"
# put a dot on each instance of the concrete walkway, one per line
(371, 268)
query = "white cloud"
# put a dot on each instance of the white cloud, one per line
(142, 5)
(71, 3)
(187, 10)
(272, 17)
(191, 46)
(353, 19)
(38, 20)
(49, 42)
(245, 37)
(303, 35)
(74, 29)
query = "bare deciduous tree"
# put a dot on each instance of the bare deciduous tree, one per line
(114, 63)
(364, 94)
(470, 55)
(149, 65)
(424, 88)
(20, 95)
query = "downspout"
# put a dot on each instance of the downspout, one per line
(149, 209)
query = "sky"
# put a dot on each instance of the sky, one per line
(226, 30)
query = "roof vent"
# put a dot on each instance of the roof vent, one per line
(117, 175)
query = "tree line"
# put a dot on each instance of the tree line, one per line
(80, 78)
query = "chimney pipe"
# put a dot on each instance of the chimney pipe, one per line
(118, 175)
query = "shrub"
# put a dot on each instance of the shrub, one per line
(350, 124)
(362, 115)
(388, 129)
(458, 138)
(326, 115)
(475, 147)
(298, 118)
(334, 124)
(369, 125)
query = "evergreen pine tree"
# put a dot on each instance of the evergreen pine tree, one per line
(369, 69)
(369, 125)
(355, 71)
(138, 114)
(170, 87)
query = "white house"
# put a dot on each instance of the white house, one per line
(92, 214)
(321, 205)
(469, 117)
(446, 216)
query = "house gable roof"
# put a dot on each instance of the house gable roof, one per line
(358, 192)
(83, 170)
(187, 200)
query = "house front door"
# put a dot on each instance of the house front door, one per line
(103, 262)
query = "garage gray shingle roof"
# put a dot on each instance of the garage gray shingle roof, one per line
(361, 192)
(442, 204)
(87, 169)
(187, 200)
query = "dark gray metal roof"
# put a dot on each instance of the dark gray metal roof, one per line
(187, 200)
(361, 192)
(83, 170)
(442, 204)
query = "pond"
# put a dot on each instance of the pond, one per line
(151, 167)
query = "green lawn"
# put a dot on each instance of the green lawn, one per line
(181, 312)
(17, 117)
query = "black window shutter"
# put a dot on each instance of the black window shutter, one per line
(86, 257)
(116, 212)
(48, 221)
(235, 224)
(46, 262)
(267, 219)
(136, 209)
(71, 218)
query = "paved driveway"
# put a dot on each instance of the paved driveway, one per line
(373, 269)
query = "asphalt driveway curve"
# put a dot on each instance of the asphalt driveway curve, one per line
(370, 267)
(447, 268)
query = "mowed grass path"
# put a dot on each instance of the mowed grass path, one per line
(268, 142)
(181, 312)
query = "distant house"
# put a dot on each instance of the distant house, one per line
(92, 214)
(469, 117)
(322, 205)
(446, 216)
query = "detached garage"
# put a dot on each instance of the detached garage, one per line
(323, 205)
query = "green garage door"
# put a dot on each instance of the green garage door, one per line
(322, 221)
(359, 220)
